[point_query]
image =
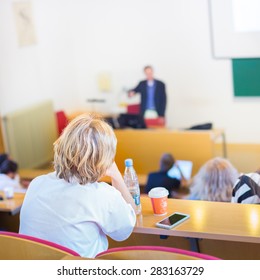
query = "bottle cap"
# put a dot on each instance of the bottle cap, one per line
(128, 162)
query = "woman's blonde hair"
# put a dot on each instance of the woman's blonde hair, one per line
(214, 181)
(85, 150)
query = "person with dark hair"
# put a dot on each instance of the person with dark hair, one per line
(3, 157)
(8, 173)
(161, 178)
(153, 95)
(9, 167)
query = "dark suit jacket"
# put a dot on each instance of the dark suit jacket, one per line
(159, 96)
(161, 179)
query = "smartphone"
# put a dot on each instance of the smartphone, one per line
(172, 220)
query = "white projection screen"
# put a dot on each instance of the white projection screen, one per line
(235, 28)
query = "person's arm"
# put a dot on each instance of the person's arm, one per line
(119, 184)
(184, 181)
(133, 91)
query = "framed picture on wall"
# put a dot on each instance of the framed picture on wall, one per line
(24, 23)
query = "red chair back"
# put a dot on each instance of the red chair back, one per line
(62, 121)
(133, 109)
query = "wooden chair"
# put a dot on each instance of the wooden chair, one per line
(14, 246)
(151, 253)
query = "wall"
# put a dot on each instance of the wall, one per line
(30, 74)
(78, 40)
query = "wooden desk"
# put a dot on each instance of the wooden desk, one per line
(208, 220)
(12, 206)
(146, 146)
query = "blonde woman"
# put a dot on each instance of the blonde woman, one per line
(214, 181)
(70, 207)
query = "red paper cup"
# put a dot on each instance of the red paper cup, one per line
(159, 199)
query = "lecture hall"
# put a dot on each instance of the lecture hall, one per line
(128, 130)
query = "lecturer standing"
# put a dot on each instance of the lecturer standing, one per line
(153, 95)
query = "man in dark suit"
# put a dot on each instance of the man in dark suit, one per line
(153, 95)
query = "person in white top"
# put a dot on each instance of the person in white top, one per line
(8, 175)
(70, 207)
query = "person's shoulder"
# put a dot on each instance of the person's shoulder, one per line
(248, 179)
(105, 189)
(155, 173)
(143, 82)
(49, 176)
(159, 82)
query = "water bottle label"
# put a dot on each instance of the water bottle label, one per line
(137, 199)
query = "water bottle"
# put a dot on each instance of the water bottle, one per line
(132, 183)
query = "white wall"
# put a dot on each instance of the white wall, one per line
(42, 71)
(79, 39)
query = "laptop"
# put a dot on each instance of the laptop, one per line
(186, 169)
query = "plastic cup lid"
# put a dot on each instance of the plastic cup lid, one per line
(158, 192)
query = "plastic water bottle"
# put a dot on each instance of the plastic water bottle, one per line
(132, 183)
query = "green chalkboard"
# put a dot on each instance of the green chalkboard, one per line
(246, 76)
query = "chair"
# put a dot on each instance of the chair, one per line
(15, 246)
(133, 109)
(151, 253)
(62, 121)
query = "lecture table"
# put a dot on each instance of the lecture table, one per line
(208, 220)
(13, 205)
(10, 212)
(213, 221)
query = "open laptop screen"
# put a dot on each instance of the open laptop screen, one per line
(186, 168)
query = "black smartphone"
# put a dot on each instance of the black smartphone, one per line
(172, 220)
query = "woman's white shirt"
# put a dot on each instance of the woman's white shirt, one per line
(76, 216)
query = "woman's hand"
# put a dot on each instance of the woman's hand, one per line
(119, 184)
(113, 171)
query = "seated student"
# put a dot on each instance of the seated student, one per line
(3, 157)
(10, 176)
(8, 173)
(69, 206)
(214, 181)
(161, 179)
(246, 190)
